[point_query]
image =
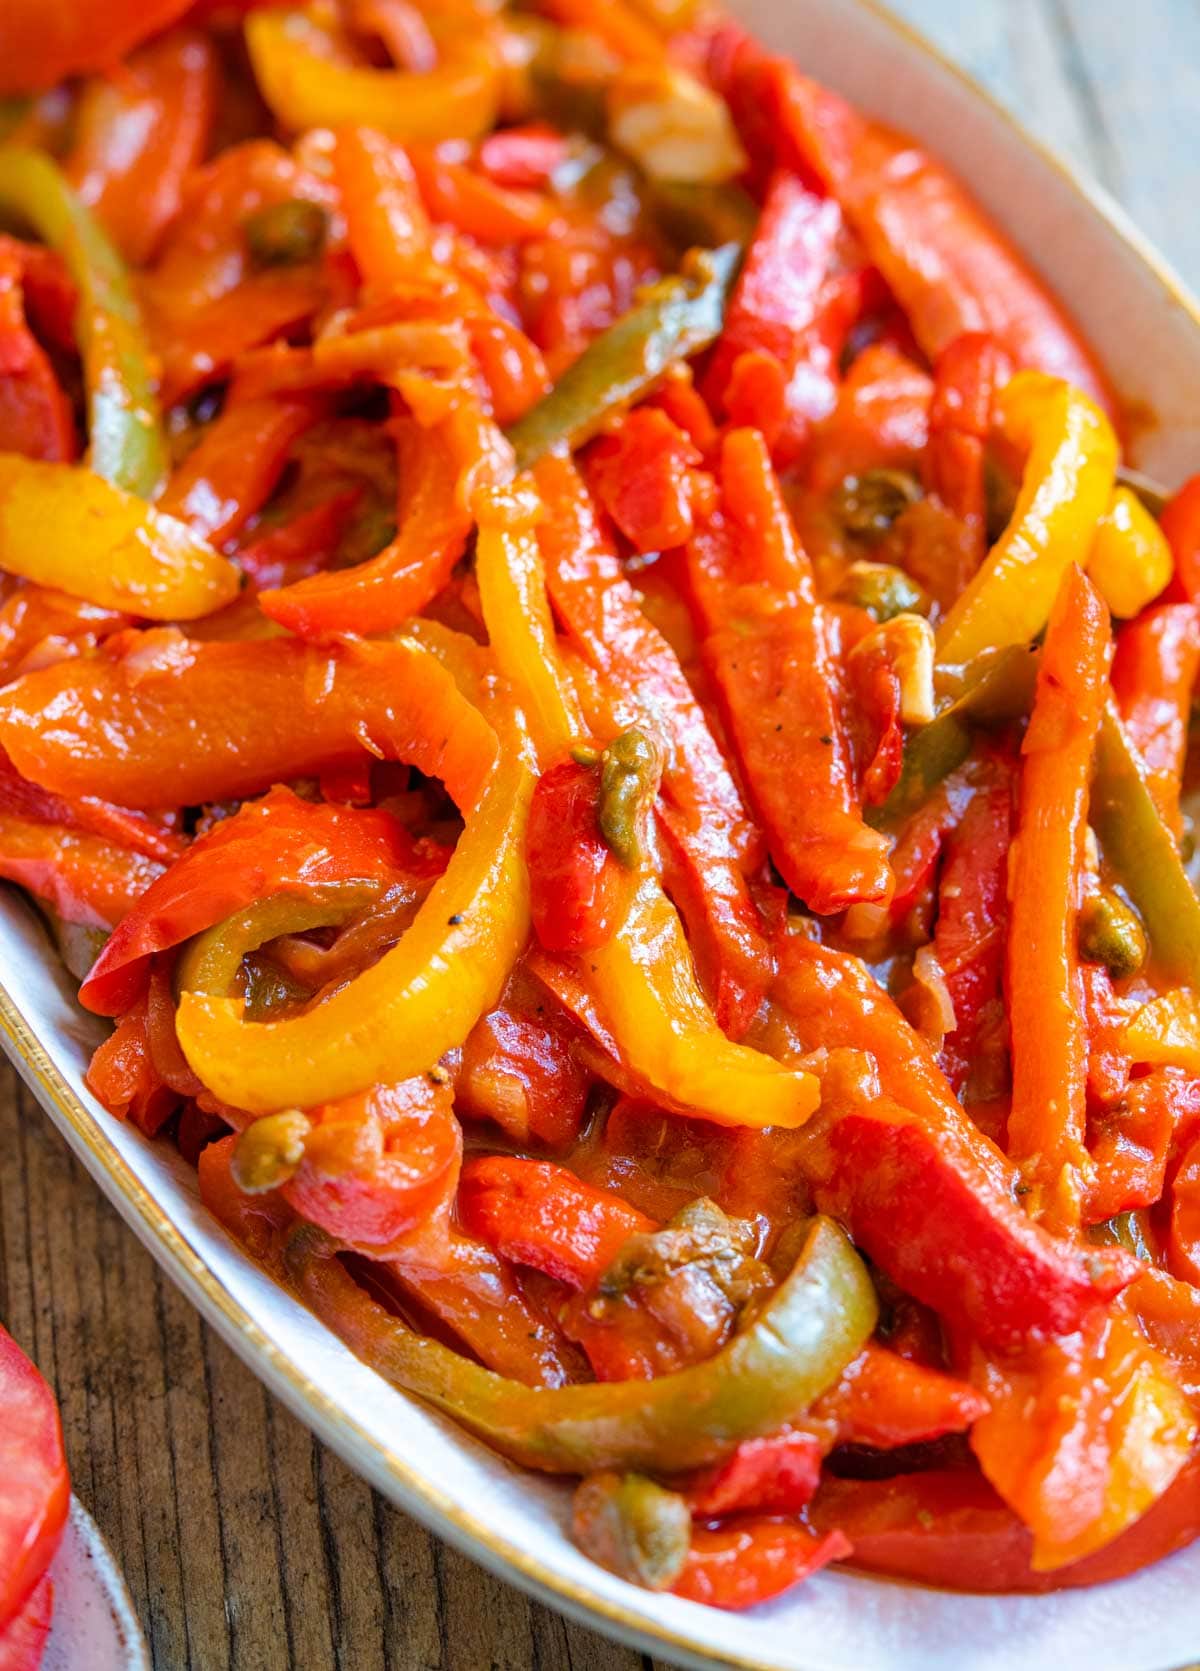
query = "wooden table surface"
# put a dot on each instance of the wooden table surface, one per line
(246, 1544)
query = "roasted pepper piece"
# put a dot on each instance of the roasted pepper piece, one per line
(75, 532)
(1045, 999)
(35, 415)
(39, 48)
(81, 876)
(125, 438)
(1130, 562)
(752, 1561)
(233, 470)
(1065, 490)
(803, 1336)
(576, 881)
(1154, 673)
(677, 317)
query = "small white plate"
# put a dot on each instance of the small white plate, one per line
(94, 1627)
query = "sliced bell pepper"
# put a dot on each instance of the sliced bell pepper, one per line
(968, 374)
(706, 830)
(168, 723)
(576, 881)
(83, 877)
(641, 471)
(1183, 1241)
(1045, 999)
(308, 84)
(125, 438)
(35, 414)
(1131, 1141)
(519, 1068)
(880, 421)
(39, 46)
(677, 317)
(37, 1490)
(948, 267)
(769, 652)
(494, 214)
(1154, 672)
(536, 1213)
(752, 1561)
(1065, 490)
(1179, 520)
(1166, 1031)
(1143, 852)
(280, 844)
(925, 1193)
(1130, 562)
(137, 136)
(71, 530)
(801, 1339)
(115, 824)
(232, 471)
(123, 1076)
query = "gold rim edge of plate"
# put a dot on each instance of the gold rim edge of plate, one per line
(425, 1501)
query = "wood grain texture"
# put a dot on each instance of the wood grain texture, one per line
(248, 1546)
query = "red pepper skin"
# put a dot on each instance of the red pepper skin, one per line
(923, 1192)
(1183, 1236)
(965, 380)
(257, 1221)
(969, 937)
(233, 471)
(1105, 1016)
(788, 306)
(519, 1067)
(885, 1401)
(122, 1075)
(917, 853)
(873, 686)
(777, 1474)
(23, 1638)
(880, 422)
(951, 1530)
(1154, 673)
(775, 676)
(35, 414)
(37, 1490)
(1131, 1142)
(751, 1561)
(378, 1163)
(708, 834)
(300, 548)
(1180, 522)
(577, 884)
(115, 824)
(536, 1213)
(82, 877)
(641, 473)
(525, 156)
(280, 844)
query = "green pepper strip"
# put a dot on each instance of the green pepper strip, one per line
(127, 445)
(998, 687)
(679, 316)
(211, 961)
(702, 214)
(798, 1344)
(1143, 853)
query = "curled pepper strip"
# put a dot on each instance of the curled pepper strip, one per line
(817, 1320)
(299, 74)
(126, 442)
(105, 545)
(1066, 489)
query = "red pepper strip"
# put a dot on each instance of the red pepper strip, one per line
(881, 420)
(943, 260)
(492, 213)
(1154, 671)
(918, 851)
(1131, 1142)
(116, 824)
(280, 844)
(233, 471)
(35, 415)
(704, 823)
(950, 1529)
(254, 1220)
(518, 1067)
(165, 722)
(138, 135)
(378, 1163)
(1183, 1235)
(207, 346)
(1082, 1436)
(539, 1214)
(525, 156)
(751, 1561)
(768, 650)
(967, 374)
(781, 308)
(51, 294)
(301, 547)
(23, 1639)
(37, 1490)
(874, 723)
(578, 887)
(1045, 1000)
(1180, 522)
(926, 1195)
(777, 1474)
(969, 937)
(434, 523)
(642, 474)
(84, 878)
(39, 626)
(122, 1075)
(1106, 1017)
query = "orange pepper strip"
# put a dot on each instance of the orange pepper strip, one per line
(1049, 1046)
(85, 878)
(176, 724)
(769, 653)
(137, 135)
(233, 471)
(617, 24)
(387, 225)
(476, 205)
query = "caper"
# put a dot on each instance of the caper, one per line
(268, 1152)
(883, 591)
(628, 784)
(867, 505)
(286, 234)
(633, 1527)
(1110, 932)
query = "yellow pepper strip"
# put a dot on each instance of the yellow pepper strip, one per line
(512, 589)
(1166, 1030)
(1131, 561)
(643, 978)
(72, 530)
(1066, 488)
(308, 84)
